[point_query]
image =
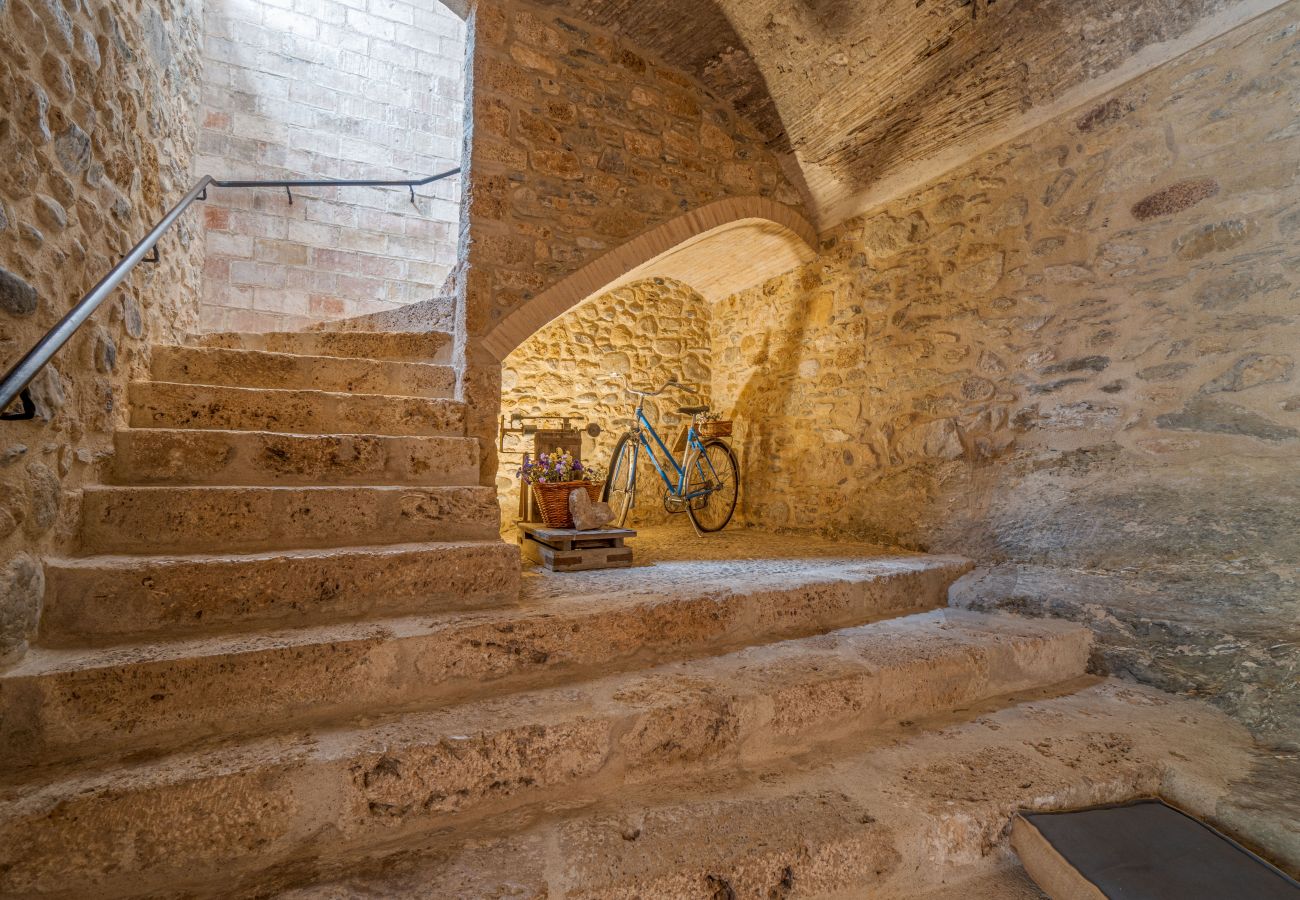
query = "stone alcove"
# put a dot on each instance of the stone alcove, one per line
(648, 331)
(651, 321)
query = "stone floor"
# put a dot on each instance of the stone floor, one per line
(672, 556)
(799, 825)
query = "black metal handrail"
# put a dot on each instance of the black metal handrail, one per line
(15, 383)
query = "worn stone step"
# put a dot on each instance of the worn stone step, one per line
(168, 519)
(429, 770)
(260, 369)
(1009, 882)
(422, 346)
(200, 456)
(902, 813)
(162, 404)
(69, 704)
(475, 871)
(112, 599)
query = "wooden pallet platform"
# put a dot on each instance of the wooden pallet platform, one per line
(570, 550)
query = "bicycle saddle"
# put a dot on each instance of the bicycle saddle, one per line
(692, 410)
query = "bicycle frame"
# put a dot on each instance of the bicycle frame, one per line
(694, 453)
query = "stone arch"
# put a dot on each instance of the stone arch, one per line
(719, 248)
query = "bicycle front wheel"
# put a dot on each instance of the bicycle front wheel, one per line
(620, 486)
(715, 469)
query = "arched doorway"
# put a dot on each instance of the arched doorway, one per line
(648, 318)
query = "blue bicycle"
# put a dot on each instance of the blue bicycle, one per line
(704, 485)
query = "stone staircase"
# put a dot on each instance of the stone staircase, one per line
(294, 657)
(913, 809)
(312, 481)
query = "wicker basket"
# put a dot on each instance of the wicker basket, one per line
(553, 500)
(717, 428)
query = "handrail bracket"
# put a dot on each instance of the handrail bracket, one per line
(28, 410)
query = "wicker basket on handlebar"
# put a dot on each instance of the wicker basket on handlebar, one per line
(718, 428)
(553, 500)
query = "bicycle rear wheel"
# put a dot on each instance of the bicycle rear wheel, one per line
(714, 468)
(620, 486)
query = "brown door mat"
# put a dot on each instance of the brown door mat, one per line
(1145, 850)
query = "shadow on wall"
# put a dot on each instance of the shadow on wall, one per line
(790, 362)
(764, 448)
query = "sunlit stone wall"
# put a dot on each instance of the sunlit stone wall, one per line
(648, 332)
(1074, 360)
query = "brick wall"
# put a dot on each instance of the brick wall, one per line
(336, 89)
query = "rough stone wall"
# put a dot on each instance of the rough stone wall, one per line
(576, 142)
(328, 89)
(1073, 359)
(96, 133)
(865, 99)
(582, 141)
(648, 332)
(868, 109)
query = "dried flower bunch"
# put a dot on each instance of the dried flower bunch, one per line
(558, 466)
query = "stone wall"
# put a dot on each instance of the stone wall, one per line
(871, 111)
(582, 141)
(578, 141)
(865, 99)
(1073, 359)
(96, 134)
(647, 332)
(328, 89)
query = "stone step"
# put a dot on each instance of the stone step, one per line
(475, 872)
(424, 346)
(260, 369)
(68, 704)
(1010, 882)
(208, 519)
(199, 456)
(918, 811)
(424, 771)
(161, 404)
(113, 599)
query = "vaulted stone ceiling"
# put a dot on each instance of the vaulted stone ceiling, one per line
(865, 95)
